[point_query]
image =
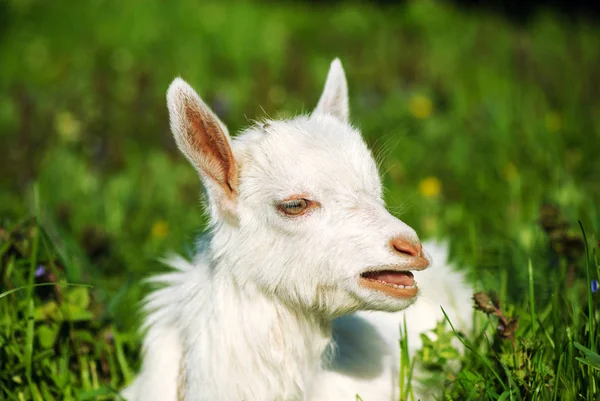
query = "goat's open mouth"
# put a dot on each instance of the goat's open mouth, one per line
(399, 284)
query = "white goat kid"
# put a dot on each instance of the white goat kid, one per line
(300, 238)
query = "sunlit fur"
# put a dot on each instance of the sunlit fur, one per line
(270, 308)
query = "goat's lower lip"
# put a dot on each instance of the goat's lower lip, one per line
(398, 284)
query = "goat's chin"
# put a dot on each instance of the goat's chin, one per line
(331, 302)
(341, 303)
(377, 301)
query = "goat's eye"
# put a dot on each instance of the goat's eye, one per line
(294, 207)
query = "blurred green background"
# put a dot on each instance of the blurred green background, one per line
(482, 128)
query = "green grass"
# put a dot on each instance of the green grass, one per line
(487, 134)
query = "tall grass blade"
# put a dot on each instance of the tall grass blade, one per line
(483, 358)
(588, 272)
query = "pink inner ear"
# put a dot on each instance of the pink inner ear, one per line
(208, 139)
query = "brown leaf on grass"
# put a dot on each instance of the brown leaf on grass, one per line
(483, 302)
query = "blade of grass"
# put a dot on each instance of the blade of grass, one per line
(121, 357)
(29, 334)
(111, 367)
(590, 356)
(483, 358)
(409, 392)
(546, 333)
(558, 374)
(592, 321)
(27, 287)
(404, 359)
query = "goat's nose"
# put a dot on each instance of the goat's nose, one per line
(407, 247)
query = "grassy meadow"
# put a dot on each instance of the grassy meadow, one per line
(487, 134)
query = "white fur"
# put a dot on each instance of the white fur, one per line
(271, 308)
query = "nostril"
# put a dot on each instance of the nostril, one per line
(406, 247)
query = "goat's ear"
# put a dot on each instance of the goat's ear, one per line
(204, 140)
(334, 100)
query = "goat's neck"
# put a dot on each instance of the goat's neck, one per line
(247, 345)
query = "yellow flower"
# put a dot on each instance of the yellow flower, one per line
(421, 107)
(160, 229)
(430, 187)
(510, 172)
(553, 122)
